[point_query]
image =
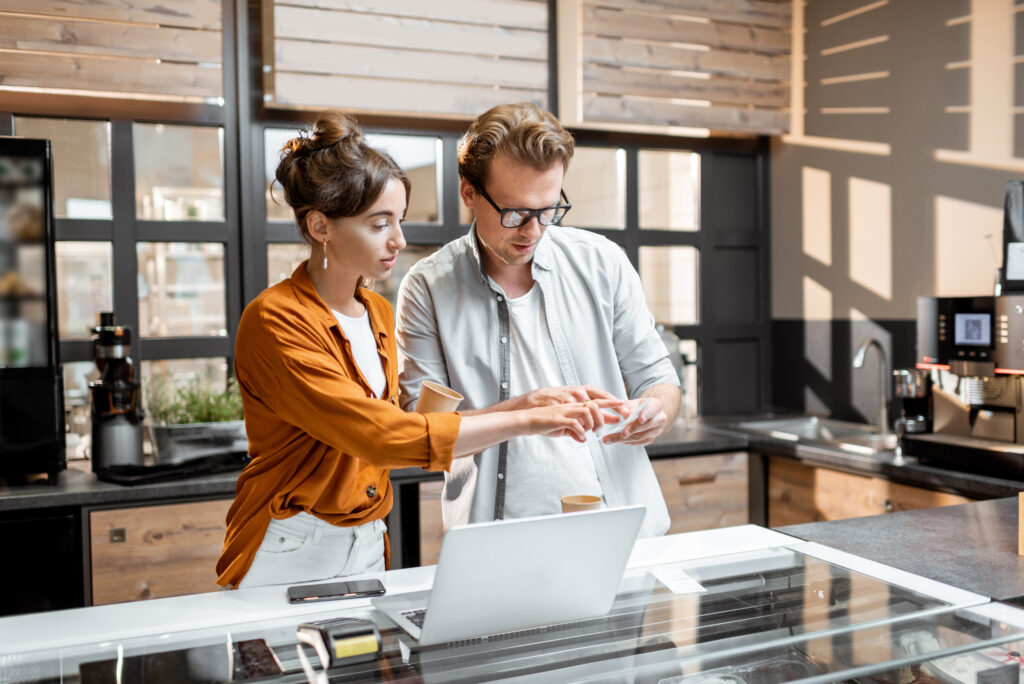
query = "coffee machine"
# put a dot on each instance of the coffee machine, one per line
(978, 343)
(116, 414)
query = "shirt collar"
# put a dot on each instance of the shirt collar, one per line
(305, 292)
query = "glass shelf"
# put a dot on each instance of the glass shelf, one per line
(764, 616)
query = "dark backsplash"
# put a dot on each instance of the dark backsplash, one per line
(812, 367)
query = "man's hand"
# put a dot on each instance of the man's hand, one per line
(550, 396)
(641, 432)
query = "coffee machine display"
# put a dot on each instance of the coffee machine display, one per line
(116, 414)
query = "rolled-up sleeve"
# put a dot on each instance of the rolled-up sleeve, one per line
(302, 384)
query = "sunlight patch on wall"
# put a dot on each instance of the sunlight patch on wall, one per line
(818, 327)
(817, 214)
(968, 240)
(870, 228)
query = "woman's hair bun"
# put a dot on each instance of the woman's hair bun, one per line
(334, 127)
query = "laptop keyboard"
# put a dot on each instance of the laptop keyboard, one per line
(416, 616)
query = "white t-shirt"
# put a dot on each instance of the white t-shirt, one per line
(364, 349)
(541, 470)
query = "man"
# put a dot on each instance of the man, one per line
(521, 303)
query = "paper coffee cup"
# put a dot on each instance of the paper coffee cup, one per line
(435, 398)
(580, 502)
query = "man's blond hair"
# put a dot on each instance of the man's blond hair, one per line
(524, 131)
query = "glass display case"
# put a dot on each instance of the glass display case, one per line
(798, 613)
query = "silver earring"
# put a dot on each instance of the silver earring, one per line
(325, 255)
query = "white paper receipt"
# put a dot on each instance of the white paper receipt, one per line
(676, 579)
(1015, 261)
(623, 422)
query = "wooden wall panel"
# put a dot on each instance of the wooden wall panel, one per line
(169, 50)
(663, 64)
(444, 59)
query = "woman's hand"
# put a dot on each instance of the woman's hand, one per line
(573, 419)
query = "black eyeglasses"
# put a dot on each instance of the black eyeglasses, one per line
(513, 218)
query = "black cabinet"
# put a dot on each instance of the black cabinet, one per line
(42, 566)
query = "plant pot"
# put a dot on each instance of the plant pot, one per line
(178, 443)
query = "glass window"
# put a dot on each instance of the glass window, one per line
(179, 172)
(283, 259)
(181, 289)
(81, 164)
(84, 286)
(669, 190)
(596, 185)
(417, 155)
(688, 378)
(77, 410)
(171, 374)
(669, 276)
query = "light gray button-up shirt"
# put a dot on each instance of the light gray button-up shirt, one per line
(452, 329)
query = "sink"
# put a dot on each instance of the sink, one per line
(853, 437)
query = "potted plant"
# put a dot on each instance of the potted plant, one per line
(195, 420)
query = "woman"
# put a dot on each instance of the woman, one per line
(315, 358)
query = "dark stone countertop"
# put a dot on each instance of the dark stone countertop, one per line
(78, 486)
(972, 546)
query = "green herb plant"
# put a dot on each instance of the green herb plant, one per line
(195, 402)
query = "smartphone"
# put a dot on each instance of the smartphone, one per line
(332, 591)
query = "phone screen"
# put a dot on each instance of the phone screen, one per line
(200, 665)
(332, 591)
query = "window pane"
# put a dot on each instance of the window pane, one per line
(78, 419)
(170, 374)
(273, 140)
(417, 155)
(596, 185)
(283, 259)
(181, 289)
(179, 173)
(669, 276)
(84, 286)
(81, 164)
(669, 190)
(406, 258)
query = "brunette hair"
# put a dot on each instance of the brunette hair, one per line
(524, 130)
(331, 169)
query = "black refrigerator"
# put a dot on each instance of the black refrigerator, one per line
(31, 383)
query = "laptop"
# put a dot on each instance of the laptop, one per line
(509, 575)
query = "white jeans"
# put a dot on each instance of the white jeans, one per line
(304, 548)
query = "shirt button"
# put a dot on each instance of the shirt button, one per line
(504, 385)
(500, 298)
(371, 491)
(501, 476)
(504, 340)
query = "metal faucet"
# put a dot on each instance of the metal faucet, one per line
(883, 380)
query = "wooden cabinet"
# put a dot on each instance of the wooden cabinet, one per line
(799, 493)
(155, 551)
(704, 492)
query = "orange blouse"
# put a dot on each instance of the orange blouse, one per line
(320, 441)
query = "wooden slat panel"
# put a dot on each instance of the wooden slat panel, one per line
(358, 60)
(316, 25)
(718, 89)
(189, 13)
(383, 96)
(528, 14)
(167, 550)
(657, 113)
(644, 27)
(750, 12)
(117, 75)
(704, 492)
(108, 38)
(633, 53)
